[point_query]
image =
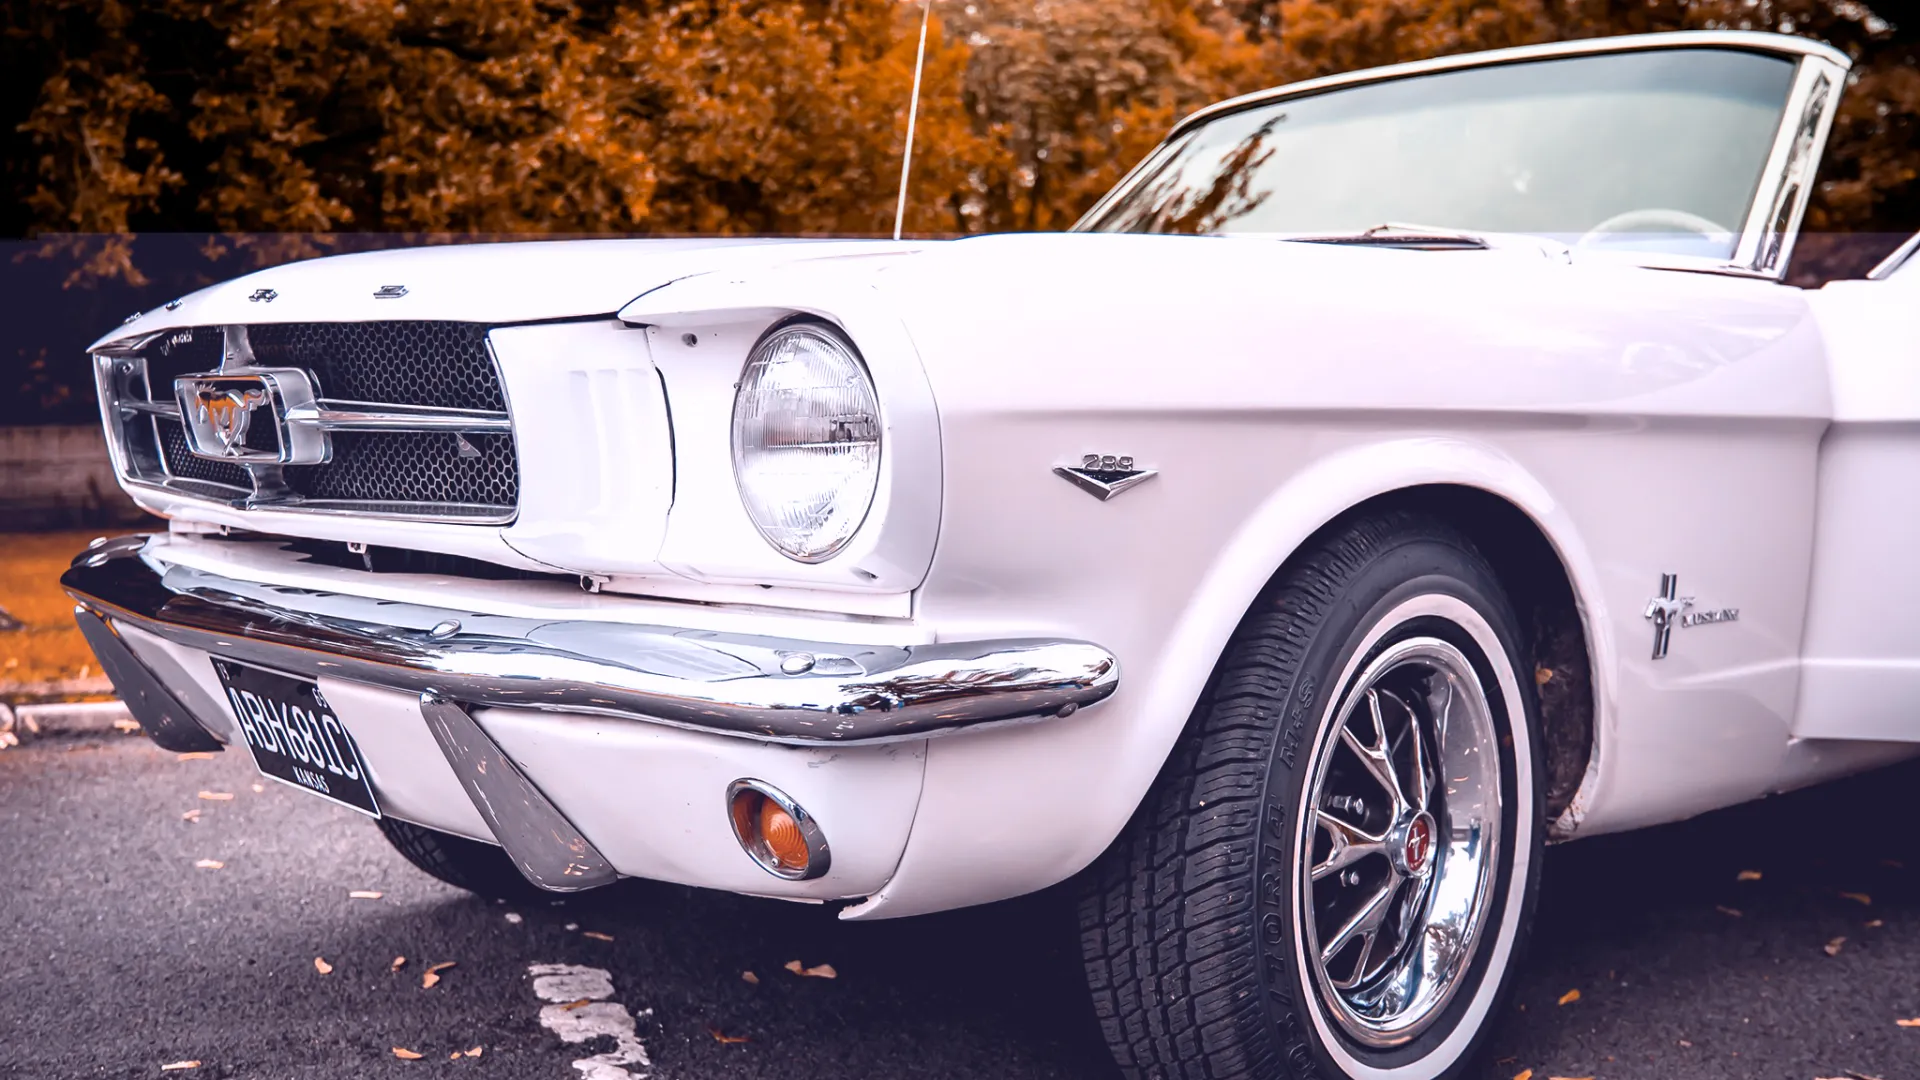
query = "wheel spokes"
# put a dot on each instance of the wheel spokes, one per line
(1365, 925)
(1420, 787)
(1350, 844)
(1376, 759)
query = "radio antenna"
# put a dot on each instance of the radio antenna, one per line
(913, 113)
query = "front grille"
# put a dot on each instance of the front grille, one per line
(413, 467)
(446, 363)
(395, 472)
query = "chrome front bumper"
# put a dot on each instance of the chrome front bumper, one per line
(769, 689)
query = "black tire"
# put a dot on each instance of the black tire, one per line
(1191, 924)
(479, 868)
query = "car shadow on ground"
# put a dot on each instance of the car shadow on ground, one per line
(1682, 958)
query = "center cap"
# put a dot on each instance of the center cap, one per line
(1415, 847)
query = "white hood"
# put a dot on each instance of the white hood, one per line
(493, 283)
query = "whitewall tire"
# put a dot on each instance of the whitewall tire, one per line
(1334, 875)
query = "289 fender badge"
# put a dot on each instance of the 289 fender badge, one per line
(1670, 609)
(1104, 475)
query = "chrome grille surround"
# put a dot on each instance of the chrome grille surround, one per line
(412, 415)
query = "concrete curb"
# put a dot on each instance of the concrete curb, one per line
(17, 693)
(19, 723)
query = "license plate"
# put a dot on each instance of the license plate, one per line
(294, 736)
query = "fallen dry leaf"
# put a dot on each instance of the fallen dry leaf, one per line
(1684, 1042)
(1747, 875)
(197, 755)
(320, 965)
(398, 963)
(176, 1066)
(576, 1003)
(1832, 948)
(1725, 910)
(596, 935)
(405, 1054)
(1569, 997)
(750, 977)
(126, 726)
(210, 864)
(1523, 1074)
(1542, 676)
(513, 917)
(217, 796)
(719, 1038)
(1915, 1022)
(1569, 1078)
(572, 926)
(455, 1056)
(432, 974)
(365, 894)
(191, 815)
(1859, 896)
(476, 1051)
(258, 788)
(1875, 924)
(819, 971)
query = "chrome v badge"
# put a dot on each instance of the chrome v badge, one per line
(1103, 475)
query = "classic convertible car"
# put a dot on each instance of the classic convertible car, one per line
(1394, 473)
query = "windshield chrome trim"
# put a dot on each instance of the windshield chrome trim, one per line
(1898, 258)
(1786, 180)
(1785, 45)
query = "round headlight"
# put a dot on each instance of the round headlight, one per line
(806, 441)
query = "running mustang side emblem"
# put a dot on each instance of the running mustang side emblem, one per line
(227, 413)
(1670, 609)
(1104, 476)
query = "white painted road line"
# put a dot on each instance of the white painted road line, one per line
(565, 986)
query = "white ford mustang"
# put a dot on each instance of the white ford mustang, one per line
(1394, 473)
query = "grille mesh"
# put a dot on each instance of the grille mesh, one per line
(182, 463)
(442, 364)
(412, 467)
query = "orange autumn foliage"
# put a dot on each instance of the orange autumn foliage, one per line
(664, 117)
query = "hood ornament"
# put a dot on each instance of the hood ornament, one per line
(266, 295)
(1104, 475)
(389, 292)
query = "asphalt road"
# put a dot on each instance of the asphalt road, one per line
(120, 955)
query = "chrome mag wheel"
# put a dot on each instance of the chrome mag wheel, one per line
(1399, 847)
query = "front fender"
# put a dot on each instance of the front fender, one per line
(1017, 810)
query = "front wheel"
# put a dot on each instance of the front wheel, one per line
(1335, 872)
(479, 868)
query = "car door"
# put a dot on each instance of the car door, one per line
(1861, 652)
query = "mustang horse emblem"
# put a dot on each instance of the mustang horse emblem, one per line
(228, 412)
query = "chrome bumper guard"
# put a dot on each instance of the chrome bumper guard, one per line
(170, 724)
(768, 689)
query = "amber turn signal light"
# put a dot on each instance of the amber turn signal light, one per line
(775, 832)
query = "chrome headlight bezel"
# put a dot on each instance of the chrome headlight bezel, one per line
(807, 364)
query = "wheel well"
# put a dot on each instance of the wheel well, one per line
(1536, 581)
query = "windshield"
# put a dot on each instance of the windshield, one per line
(1646, 151)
